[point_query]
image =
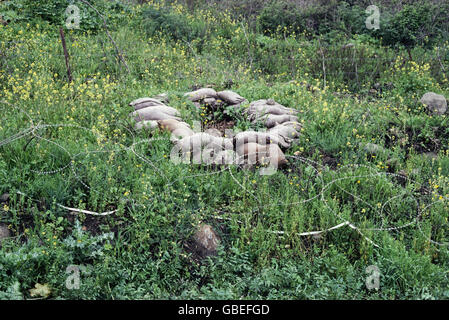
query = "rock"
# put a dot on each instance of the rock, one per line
(4, 197)
(201, 94)
(4, 232)
(373, 148)
(436, 103)
(347, 46)
(230, 97)
(392, 163)
(431, 155)
(206, 241)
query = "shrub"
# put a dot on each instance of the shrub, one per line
(53, 11)
(413, 25)
(174, 25)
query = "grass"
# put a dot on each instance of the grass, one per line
(87, 156)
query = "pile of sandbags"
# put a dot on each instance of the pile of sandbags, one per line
(279, 120)
(246, 148)
(150, 110)
(208, 98)
(201, 148)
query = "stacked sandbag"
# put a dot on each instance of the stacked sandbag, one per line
(178, 129)
(208, 98)
(288, 131)
(270, 113)
(279, 119)
(260, 138)
(250, 154)
(150, 110)
(201, 147)
(264, 147)
(247, 148)
(231, 98)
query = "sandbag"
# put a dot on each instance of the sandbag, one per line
(147, 104)
(202, 139)
(192, 146)
(225, 157)
(149, 124)
(178, 129)
(253, 153)
(181, 133)
(286, 132)
(271, 120)
(155, 102)
(262, 138)
(151, 114)
(293, 124)
(201, 94)
(262, 107)
(171, 124)
(165, 109)
(230, 97)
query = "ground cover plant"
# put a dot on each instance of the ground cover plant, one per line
(371, 158)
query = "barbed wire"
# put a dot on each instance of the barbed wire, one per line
(316, 167)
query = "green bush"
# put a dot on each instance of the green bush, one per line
(54, 11)
(414, 24)
(279, 15)
(176, 26)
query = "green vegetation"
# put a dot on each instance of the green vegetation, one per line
(352, 86)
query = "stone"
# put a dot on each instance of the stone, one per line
(373, 148)
(431, 155)
(436, 103)
(4, 197)
(206, 241)
(4, 232)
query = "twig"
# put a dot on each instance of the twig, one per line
(439, 60)
(324, 66)
(66, 55)
(109, 35)
(86, 211)
(249, 47)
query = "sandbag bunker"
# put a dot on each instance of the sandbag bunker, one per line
(247, 148)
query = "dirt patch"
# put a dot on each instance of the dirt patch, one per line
(414, 139)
